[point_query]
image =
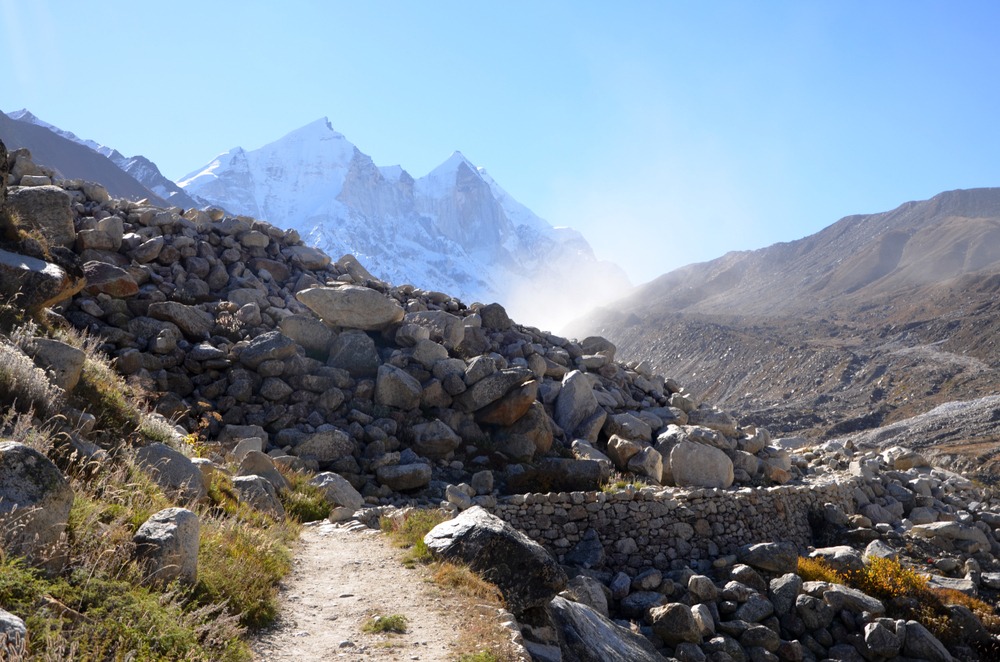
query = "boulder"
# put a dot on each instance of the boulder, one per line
(172, 470)
(355, 352)
(193, 321)
(104, 278)
(35, 500)
(557, 474)
(587, 636)
(674, 623)
(444, 328)
(495, 317)
(394, 387)
(434, 440)
(575, 403)
(270, 346)
(525, 573)
(338, 491)
(259, 494)
(714, 419)
(256, 463)
(167, 546)
(13, 633)
(777, 557)
(46, 210)
(491, 388)
(61, 361)
(588, 553)
(352, 307)
(531, 434)
(952, 532)
(922, 645)
(511, 407)
(309, 332)
(404, 477)
(587, 590)
(325, 446)
(698, 465)
(35, 284)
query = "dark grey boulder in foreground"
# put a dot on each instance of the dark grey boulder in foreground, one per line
(587, 636)
(525, 573)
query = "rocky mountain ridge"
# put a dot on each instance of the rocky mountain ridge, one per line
(874, 319)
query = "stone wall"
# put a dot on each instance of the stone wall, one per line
(654, 526)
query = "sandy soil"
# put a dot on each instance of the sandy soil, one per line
(343, 576)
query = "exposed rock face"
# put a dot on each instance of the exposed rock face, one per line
(35, 284)
(45, 210)
(260, 495)
(172, 470)
(167, 545)
(588, 636)
(699, 465)
(523, 571)
(35, 500)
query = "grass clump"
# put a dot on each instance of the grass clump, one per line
(304, 502)
(619, 481)
(818, 570)
(392, 624)
(409, 533)
(24, 385)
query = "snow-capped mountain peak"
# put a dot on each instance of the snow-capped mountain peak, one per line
(454, 230)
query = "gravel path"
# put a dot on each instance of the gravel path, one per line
(342, 576)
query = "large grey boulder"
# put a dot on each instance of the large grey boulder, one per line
(172, 470)
(259, 494)
(674, 623)
(923, 645)
(62, 362)
(394, 387)
(525, 573)
(325, 446)
(256, 463)
(193, 321)
(404, 477)
(444, 328)
(35, 500)
(698, 465)
(13, 633)
(777, 557)
(355, 352)
(352, 307)
(575, 403)
(491, 388)
(270, 346)
(338, 491)
(557, 474)
(46, 210)
(587, 636)
(35, 284)
(306, 330)
(434, 440)
(167, 546)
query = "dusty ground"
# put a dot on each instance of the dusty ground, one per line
(343, 576)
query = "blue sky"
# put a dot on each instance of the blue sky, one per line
(667, 132)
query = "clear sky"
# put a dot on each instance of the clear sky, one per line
(668, 132)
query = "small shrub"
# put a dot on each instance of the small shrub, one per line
(392, 624)
(304, 502)
(818, 570)
(887, 579)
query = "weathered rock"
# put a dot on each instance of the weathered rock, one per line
(841, 558)
(13, 633)
(588, 636)
(338, 491)
(778, 557)
(61, 361)
(325, 447)
(783, 591)
(953, 532)
(491, 388)
(923, 645)
(840, 597)
(444, 328)
(525, 573)
(404, 477)
(587, 590)
(674, 623)
(270, 346)
(259, 494)
(34, 284)
(511, 407)
(46, 210)
(588, 553)
(713, 419)
(355, 352)
(394, 387)
(575, 403)
(172, 471)
(702, 588)
(193, 321)
(109, 279)
(495, 317)
(531, 434)
(255, 463)
(637, 603)
(647, 462)
(309, 332)
(434, 440)
(35, 500)
(167, 545)
(697, 465)
(881, 640)
(352, 307)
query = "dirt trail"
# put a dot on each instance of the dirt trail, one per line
(344, 575)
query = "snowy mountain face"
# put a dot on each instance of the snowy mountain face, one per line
(139, 167)
(454, 230)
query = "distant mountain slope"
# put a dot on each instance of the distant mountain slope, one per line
(454, 229)
(875, 317)
(71, 159)
(139, 168)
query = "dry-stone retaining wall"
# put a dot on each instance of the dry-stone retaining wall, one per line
(653, 527)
